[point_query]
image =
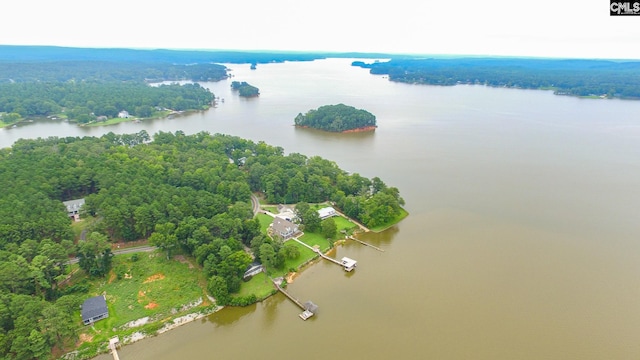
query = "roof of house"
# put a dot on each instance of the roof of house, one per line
(326, 212)
(93, 307)
(283, 226)
(73, 205)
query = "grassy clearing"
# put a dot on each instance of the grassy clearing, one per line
(152, 287)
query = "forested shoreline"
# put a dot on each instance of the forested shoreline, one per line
(575, 77)
(188, 194)
(85, 102)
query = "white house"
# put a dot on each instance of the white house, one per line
(327, 212)
(73, 208)
(124, 114)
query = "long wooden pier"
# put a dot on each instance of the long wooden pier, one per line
(295, 301)
(364, 243)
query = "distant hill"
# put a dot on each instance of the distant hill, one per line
(12, 53)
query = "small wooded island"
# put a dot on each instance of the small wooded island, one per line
(245, 89)
(337, 118)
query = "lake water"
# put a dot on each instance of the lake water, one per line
(522, 240)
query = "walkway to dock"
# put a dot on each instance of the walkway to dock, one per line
(364, 243)
(295, 301)
(317, 251)
(113, 342)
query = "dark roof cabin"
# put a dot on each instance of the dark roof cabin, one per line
(94, 309)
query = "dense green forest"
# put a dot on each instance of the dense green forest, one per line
(567, 77)
(336, 118)
(84, 102)
(244, 89)
(190, 193)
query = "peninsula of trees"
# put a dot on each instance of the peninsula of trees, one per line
(85, 102)
(337, 118)
(244, 89)
(575, 77)
(186, 194)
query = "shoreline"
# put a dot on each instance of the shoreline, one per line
(355, 130)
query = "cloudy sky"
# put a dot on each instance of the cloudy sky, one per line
(554, 28)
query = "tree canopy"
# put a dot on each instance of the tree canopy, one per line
(336, 118)
(188, 193)
(84, 102)
(244, 89)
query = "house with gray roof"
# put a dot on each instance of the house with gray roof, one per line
(73, 208)
(94, 309)
(283, 228)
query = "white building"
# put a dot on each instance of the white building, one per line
(327, 212)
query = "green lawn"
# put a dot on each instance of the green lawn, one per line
(265, 221)
(259, 285)
(313, 239)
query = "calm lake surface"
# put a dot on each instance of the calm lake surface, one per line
(523, 239)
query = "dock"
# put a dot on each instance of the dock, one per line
(309, 308)
(364, 243)
(347, 263)
(113, 343)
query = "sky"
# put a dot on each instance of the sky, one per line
(541, 28)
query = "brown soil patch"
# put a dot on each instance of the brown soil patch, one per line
(290, 277)
(141, 293)
(154, 277)
(151, 306)
(112, 277)
(84, 338)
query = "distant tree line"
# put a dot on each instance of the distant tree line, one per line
(336, 118)
(84, 102)
(566, 77)
(184, 193)
(244, 89)
(59, 70)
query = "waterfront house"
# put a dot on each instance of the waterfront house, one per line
(73, 208)
(94, 309)
(326, 212)
(253, 269)
(283, 228)
(124, 114)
